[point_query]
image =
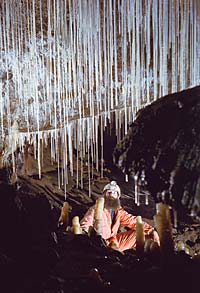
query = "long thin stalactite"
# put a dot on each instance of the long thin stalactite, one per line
(70, 67)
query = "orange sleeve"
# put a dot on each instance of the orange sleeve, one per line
(129, 221)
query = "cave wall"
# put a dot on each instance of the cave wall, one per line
(163, 142)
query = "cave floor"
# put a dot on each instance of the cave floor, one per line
(58, 261)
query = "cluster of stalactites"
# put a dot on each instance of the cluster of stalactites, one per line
(86, 136)
(78, 59)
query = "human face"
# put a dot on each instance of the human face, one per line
(112, 200)
(112, 193)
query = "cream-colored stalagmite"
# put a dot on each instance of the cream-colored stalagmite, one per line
(98, 215)
(140, 237)
(151, 247)
(64, 215)
(164, 227)
(76, 228)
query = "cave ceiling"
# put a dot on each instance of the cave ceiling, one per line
(67, 66)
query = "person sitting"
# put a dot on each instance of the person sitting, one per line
(114, 217)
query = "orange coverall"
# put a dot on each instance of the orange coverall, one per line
(122, 240)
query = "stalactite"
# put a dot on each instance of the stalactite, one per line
(137, 197)
(62, 60)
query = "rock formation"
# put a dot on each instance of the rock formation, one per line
(163, 143)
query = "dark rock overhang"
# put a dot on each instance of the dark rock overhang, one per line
(164, 144)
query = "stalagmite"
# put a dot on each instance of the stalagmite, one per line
(76, 228)
(140, 236)
(147, 246)
(64, 215)
(151, 248)
(164, 227)
(98, 214)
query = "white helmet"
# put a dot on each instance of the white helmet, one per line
(112, 186)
